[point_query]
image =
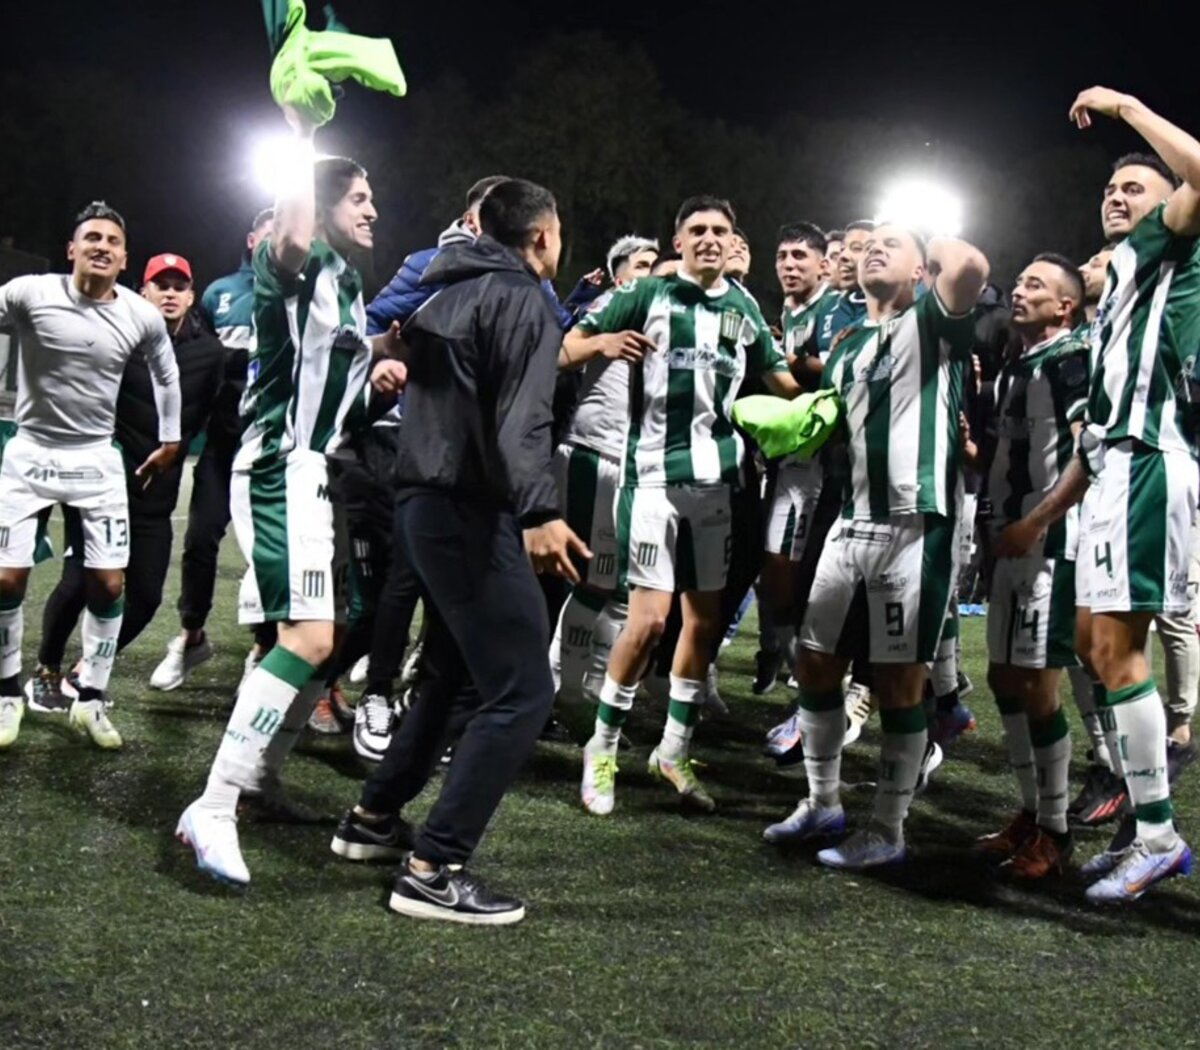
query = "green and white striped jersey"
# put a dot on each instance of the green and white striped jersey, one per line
(901, 384)
(1038, 396)
(1144, 339)
(680, 428)
(801, 324)
(309, 357)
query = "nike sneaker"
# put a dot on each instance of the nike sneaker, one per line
(181, 658)
(1138, 870)
(807, 821)
(357, 838)
(374, 720)
(453, 895)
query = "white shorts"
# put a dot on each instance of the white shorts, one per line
(675, 538)
(90, 480)
(1135, 551)
(587, 490)
(796, 490)
(1031, 613)
(293, 541)
(1083, 554)
(901, 570)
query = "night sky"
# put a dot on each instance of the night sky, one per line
(997, 81)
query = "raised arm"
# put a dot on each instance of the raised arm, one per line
(960, 270)
(1179, 149)
(296, 210)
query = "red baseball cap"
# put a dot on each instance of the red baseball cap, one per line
(163, 263)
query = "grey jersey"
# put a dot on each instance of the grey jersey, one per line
(72, 355)
(603, 412)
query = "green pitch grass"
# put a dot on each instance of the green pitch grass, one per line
(647, 929)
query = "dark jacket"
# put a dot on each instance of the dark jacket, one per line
(227, 305)
(201, 360)
(482, 360)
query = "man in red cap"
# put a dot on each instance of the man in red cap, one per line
(200, 358)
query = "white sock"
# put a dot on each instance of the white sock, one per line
(12, 631)
(823, 721)
(616, 701)
(262, 705)
(607, 629)
(1020, 750)
(943, 672)
(1142, 726)
(284, 741)
(1081, 688)
(1052, 757)
(100, 633)
(683, 712)
(904, 738)
(576, 627)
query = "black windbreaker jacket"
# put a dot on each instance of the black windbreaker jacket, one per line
(482, 357)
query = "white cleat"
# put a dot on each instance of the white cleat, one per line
(859, 705)
(598, 788)
(214, 838)
(180, 659)
(358, 673)
(90, 718)
(864, 849)
(807, 821)
(12, 710)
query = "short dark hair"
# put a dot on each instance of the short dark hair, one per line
(480, 189)
(262, 218)
(705, 202)
(1148, 160)
(98, 210)
(666, 257)
(834, 235)
(332, 177)
(802, 233)
(1070, 271)
(739, 232)
(859, 224)
(511, 209)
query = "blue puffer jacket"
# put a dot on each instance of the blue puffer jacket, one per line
(404, 294)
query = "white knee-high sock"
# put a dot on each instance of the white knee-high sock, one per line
(1052, 757)
(12, 632)
(616, 701)
(607, 629)
(1019, 743)
(284, 741)
(1142, 728)
(905, 735)
(100, 630)
(576, 629)
(1085, 701)
(823, 722)
(683, 712)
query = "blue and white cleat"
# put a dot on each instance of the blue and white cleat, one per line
(868, 848)
(213, 836)
(807, 821)
(783, 737)
(1138, 871)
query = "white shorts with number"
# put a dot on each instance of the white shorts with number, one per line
(1031, 613)
(587, 483)
(797, 488)
(90, 480)
(675, 538)
(902, 569)
(1135, 551)
(293, 542)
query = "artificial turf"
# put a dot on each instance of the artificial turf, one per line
(650, 928)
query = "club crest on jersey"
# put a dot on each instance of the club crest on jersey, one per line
(731, 325)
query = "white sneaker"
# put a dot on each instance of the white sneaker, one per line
(214, 837)
(374, 720)
(868, 848)
(859, 705)
(598, 788)
(90, 718)
(358, 673)
(180, 659)
(12, 710)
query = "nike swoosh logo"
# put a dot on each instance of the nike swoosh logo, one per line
(375, 836)
(1143, 883)
(447, 897)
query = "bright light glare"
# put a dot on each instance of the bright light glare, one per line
(278, 162)
(924, 206)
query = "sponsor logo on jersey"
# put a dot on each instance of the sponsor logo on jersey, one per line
(323, 493)
(702, 359)
(888, 583)
(312, 583)
(43, 473)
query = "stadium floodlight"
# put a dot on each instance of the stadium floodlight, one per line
(278, 161)
(923, 205)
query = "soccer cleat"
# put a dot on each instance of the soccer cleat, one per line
(947, 726)
(1138, 870)
(785, 736)
(791, 762)
(869, 848)
(807, 821)
(598, 788)
(360, 670)
(1043, 853)
(374, 720)
(682, 776)
(180, 659)
(713, 703)
(859, 705)
(324, 719)
(1103, 798)
(269, 803)
(1003, 845)
(357, 838)
(766, 671)
(1179, 757)
(1115, 851)
(213, 836)
(452, 895)
(12, 710)
(930, 764)
(44, 694)
(89, 718)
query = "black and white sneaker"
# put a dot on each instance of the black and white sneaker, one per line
(452, 895)
(44, 693)
(374, 721)
(356, 838)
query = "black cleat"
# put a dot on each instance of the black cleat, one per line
(452, 895)
(1102, 798)
(44, 693)
(766, 671)
(1179, 757)
(356, 838)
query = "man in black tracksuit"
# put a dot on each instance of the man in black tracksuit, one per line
(474, 469)
(201, 360)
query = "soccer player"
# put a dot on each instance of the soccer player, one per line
(200, 360)
(835, 241)
(850, 306)
(1040, 395)
(1138, 449)
(588, 471)
(890, 561)
(74, 336)
(227, 305)
(795, 484)
(308, 367)
(737, 265)
(682, 455)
